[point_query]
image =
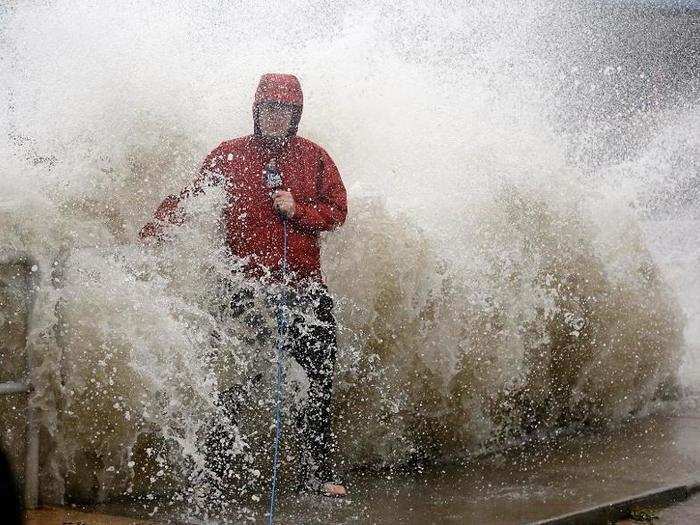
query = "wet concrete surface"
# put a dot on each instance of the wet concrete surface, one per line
(529, 483)
(686, 513)
(57, 516)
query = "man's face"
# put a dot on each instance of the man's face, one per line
(275, 119)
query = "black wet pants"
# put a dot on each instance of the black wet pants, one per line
(311, 341)
(313, 345)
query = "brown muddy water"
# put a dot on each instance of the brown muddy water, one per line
(521, 252)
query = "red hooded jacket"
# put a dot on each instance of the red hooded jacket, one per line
(254, 231)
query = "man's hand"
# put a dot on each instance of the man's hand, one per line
(283, 202)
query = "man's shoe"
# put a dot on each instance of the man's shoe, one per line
(328, 489)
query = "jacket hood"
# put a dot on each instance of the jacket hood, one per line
(281, 88)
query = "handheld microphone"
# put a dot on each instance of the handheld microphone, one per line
(273, 181)
(272, 175)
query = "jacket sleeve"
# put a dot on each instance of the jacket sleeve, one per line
(170, 212)
(330, 208)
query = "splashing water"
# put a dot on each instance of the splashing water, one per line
(505, 269)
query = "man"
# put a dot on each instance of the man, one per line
(310, 199)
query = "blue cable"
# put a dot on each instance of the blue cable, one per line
(281, 335)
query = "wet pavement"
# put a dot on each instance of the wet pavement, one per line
(686, 513)
(529, 483)
(56, 516)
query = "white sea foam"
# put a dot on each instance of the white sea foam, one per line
(491, 280)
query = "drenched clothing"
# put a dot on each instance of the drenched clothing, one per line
(254, 231)
(255, 234)
(314, 347)
(311, 341)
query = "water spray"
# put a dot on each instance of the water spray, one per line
(273, 180)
